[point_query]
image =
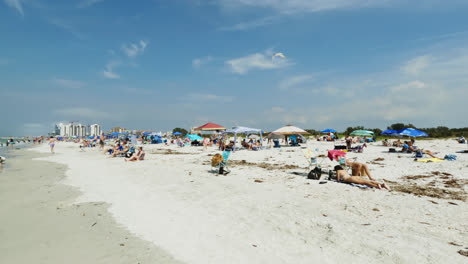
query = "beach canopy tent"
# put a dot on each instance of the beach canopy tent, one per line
(411, 132)
(389, 132)
(290, 130)
(274, 135)
(194, 137)
(211, 127)
(328, 130)
(243, 130)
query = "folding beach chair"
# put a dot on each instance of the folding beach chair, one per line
(277, 144)
(221, 165)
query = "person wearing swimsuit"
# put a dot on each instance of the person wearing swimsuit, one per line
(52, 144)
(343, 176)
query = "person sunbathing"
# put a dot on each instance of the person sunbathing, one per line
(397, 143)
(386, 143)
(119, 152)
(359, 169)
(343, 176)
(139, 156)
(112, 150)
(412, 148)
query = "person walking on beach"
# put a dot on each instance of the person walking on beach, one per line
(52, 141)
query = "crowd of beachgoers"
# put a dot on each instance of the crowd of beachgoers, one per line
(130, 148)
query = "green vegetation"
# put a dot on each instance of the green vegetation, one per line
(180, 130)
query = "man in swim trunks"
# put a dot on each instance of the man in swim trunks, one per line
(343, 176)
(412, 148)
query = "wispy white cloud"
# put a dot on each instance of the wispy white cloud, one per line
(257, 61)
(264, 21)
(206, 97)
(294, 81)
(16, 4)
(67, 27)
(198, 62)
(109, 70)
(69, 84)
(417, 65)
(83, 112)
(300, 6)
(88, 3)
(134, 49)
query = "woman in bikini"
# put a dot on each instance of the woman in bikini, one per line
(139, 156)
(52, 143)
(343, 176)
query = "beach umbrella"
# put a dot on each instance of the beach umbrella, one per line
(176, 133)
(362, 133)
(328, 130)
(411, 132)
(194, 137)
(254, 136)
(275, 136)
(290, 130)
(389, 132)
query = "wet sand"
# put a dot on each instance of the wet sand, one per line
(41, 223)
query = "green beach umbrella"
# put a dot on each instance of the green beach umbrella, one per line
(362, 133)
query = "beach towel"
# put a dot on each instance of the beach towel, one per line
(429, 160)
(335, 154)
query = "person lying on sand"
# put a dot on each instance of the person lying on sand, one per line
(343, 176)
(359, 169)
(112, 150)
(139, 156)
(412, 148)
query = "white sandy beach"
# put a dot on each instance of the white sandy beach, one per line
(175, 202)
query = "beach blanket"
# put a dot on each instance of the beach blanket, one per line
(429, 160)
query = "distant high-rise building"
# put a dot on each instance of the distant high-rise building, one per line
(74, 129)
(94, 130)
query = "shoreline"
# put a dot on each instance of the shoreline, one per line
(42, 223)
(172, 200)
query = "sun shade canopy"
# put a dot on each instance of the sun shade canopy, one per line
(290, 130)
(210, 127)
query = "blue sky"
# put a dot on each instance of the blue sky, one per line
(160, 64)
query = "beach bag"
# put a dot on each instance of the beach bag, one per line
(391, 150)
(419, 154)
(450, 157)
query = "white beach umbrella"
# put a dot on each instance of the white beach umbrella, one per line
(290, 130)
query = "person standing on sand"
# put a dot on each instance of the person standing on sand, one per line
(52, 141)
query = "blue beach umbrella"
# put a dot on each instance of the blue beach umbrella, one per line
(176, 133)
(411, 132)
(328, 130)
(389, 132)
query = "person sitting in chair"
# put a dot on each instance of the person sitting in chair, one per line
(461, 140)
(139, 156)
(412, 148)
(343, 176)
